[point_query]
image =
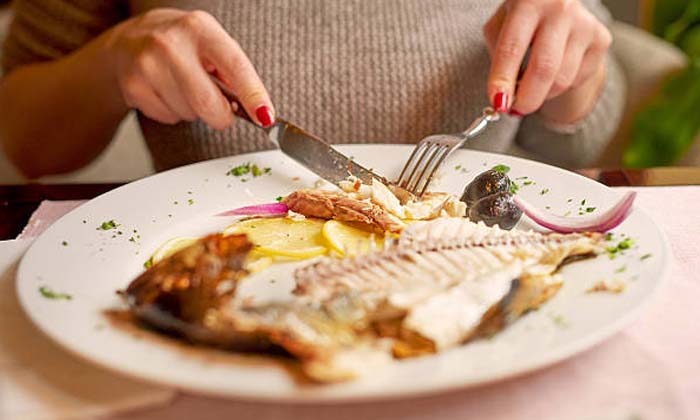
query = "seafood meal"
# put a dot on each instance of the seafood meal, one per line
(379, 275)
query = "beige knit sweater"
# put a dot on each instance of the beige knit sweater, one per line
(351, 71)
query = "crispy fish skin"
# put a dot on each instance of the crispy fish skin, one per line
(190, 293)
(183, 293)
(339, 206)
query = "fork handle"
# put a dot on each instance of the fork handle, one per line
(488, 115)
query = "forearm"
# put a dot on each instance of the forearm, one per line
(58, 116)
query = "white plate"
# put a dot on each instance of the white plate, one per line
(93, 265)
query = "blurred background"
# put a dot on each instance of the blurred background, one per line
(657, 43)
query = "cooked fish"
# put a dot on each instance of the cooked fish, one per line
(374, 204)
(339, 206)
(445, 276)
(442, 283)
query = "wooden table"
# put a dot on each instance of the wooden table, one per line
(18, 202)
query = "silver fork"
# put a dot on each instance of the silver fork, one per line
(430, 152)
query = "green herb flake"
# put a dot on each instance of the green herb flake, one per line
(621, 269)
(609, 236)
(514, 188)
(50, 294)
(190, 201)
(244, 179)
(567, 214)
(132, 239)
(280, 198)
(189, 192)
(559, 320)
(526, 183)
(255, 170)
(108, 225)
(148, 263)
(176, 202)
(64, 243)
(267, 171)
(644, 257)
(458, 167)
(522, 177)
(583, 202)
(614, 251)
(570, 200)
(590, 209)
(544, 191)
(547, 207)
(240, 170)
(501, 168)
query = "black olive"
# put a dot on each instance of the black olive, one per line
(487, 183)
(496, 209)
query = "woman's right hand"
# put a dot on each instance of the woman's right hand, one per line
(163, 60)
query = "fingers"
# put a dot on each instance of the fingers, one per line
(203, 97)
(570, 65)
(141, 96)
(518, 28)
(217, 48)
(548, 50)
(493, 28)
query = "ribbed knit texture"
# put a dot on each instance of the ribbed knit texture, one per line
(352, 71)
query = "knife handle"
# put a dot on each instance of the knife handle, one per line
(239, 111)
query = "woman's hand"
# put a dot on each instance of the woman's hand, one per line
(163, 60)
(567, 63)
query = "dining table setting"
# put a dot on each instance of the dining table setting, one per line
(644, 366)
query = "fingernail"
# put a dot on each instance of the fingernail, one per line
(515, 113)
(500, 102)
(264, 115)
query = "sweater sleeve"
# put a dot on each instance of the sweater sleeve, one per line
(44, 30)
(581, 144)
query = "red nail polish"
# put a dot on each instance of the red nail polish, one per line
(500, 102)
(264, 115)
(515, 113)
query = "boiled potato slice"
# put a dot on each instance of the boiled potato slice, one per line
(283, 237)
(171, 246)
(350, 240)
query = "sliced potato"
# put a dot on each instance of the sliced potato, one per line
(350, 240)
(172, 246)
(282, 237)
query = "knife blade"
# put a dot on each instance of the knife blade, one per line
(317, 155)
(310, 151)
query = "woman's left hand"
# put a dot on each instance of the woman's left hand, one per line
(567, 63)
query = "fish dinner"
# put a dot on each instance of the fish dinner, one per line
(380, 275)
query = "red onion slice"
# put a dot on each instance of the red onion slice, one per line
(269, 209)
(601, 222)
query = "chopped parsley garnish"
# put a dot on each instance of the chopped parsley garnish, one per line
(108, 225)
(583, 202)
(590, 209)
(621, 269)
(609, 236)
(570, 200)
(190, 201)
(458, 167)
(280, 198)
(64, 243)
(248, 168)
(644, 257)
(614, 251)
(148, 263)
(132, 239)
(176, 202)
(50, 294)
(189, 192)
(522, 177)
(544, 191)
(526, 183)
(514, 188)
(501, 168)
(547, 207)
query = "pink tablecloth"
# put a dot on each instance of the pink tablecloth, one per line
(651, 370)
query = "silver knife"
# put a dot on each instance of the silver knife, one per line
(310, 151)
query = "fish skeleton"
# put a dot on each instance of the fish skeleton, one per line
(442, 283)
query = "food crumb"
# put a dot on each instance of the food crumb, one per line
(64, 243)
(611, 286)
